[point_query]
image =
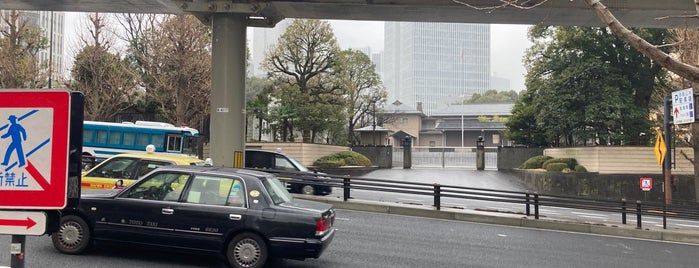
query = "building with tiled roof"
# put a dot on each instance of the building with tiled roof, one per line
(453, 126)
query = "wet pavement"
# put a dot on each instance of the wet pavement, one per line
(486, 179)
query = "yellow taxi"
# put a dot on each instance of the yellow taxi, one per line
(129, 167)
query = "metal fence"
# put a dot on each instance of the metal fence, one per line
(531, 202)
(446, 157)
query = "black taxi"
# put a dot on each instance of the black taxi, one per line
(242, 215)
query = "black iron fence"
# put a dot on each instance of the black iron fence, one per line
(531, 202)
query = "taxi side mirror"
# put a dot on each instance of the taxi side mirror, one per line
(119, 184)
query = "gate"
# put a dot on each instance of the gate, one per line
(446, 157)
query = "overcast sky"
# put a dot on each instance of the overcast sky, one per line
(507, 43)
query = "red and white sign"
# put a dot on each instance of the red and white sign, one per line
(34, 129)
(22, 222)
(646, 184)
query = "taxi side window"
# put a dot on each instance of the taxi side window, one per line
(150, 165)
(216, 191)
(118, 168)
(162, 186)
(280, 162)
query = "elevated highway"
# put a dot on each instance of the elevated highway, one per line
(637, 13)
(229, 20)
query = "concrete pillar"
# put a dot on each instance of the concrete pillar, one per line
(228, 89)
(480, 153)
(407, 152)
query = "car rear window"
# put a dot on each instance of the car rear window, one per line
(277, 191)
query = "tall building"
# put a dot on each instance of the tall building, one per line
(51, 25)
(262, 40)
(435, 63)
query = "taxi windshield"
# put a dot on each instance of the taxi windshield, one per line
(277, 191)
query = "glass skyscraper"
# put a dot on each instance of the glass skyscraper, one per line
(435, 64)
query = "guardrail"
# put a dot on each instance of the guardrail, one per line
(528, 200)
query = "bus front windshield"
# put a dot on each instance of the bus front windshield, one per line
(190, 145)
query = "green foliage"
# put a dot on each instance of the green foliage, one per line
(584, 86)
(535, 162)
(570, 162)
(346, 158)
(580, 168)
(557, 167)
(493, 96)
(303, 60)
(364, 91)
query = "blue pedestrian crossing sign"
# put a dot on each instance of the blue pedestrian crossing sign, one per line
(34, 131)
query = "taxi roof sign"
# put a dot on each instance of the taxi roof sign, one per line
(34, 132)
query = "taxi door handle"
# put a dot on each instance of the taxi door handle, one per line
(235, 217)
(168, 211)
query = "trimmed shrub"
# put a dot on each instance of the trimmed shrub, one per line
(346, 158)
(556, 166)
(535, 162)
(570, 162)
(580, 168)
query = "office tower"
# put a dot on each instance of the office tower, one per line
(51, 25)
(262, 40)
(436, 64)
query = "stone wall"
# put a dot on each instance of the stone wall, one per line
(380, 156)
(623, 159)
(606, 186)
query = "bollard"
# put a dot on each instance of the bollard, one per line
(638, 214)
(437, 196)
(536, 206)
(526, 199)
(346, 187)
(623, 211)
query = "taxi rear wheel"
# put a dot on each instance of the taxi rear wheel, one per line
(247, 250)
(308, 189)
(73, 235)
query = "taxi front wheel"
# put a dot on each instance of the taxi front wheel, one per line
(73, 235)
(247, 250)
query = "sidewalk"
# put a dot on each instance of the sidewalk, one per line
(507, 219)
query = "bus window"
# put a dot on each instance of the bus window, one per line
(190, 145)
(157, 140)
(129, 138)
(101, 137)
(174, 143)
(87, 135)
(115, 137)
(142, 140)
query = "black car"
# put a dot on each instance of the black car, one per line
(245, 216)
(285, 167)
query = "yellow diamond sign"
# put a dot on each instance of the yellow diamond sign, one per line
(660, 148)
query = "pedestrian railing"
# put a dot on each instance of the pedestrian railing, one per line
(531, 202)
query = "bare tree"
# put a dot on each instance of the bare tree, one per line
(19, 45)
(108, 84)
(174, 57)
